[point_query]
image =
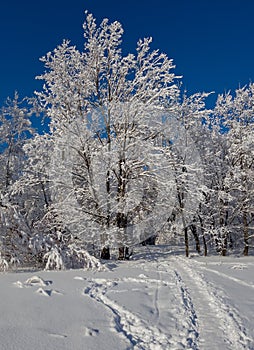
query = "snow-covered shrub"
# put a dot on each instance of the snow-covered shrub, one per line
(54, 260)
(72, 256)
(3, 264)
(80, 258)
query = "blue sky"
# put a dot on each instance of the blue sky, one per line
(211, 41)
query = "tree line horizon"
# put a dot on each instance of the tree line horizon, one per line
(165, 165)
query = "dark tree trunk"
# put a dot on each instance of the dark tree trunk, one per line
(105, 253)
(195, 235)
(205, 246)
(123, 253)
(224, 252)
(246, 251)
(223, 239)
(127, 253)
(245, 235)
(224, 246)
(186, 240)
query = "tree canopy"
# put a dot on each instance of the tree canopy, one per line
(128, 156)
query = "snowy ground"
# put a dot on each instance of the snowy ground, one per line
(163, 301)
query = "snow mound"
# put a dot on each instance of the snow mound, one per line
(33, 281)
(239, 267)
(46, 293)
(36, 281)
(91, 332)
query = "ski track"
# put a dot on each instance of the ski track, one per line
(186, 322)
(237, 280)
(140, 335)
(228, 319)
(186, 309)
(193, 332)
(148, 335)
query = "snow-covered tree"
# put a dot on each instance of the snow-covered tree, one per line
(237, 113)
(186, 154)
(15, 129)
(111, 108)
(126, 158)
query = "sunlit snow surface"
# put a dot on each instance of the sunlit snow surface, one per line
(158, 300)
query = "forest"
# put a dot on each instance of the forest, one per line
(124, 157)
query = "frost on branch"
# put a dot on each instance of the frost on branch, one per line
(72, 257)
(126, 158)
(81, 258)
(3, 264)
(54, 260)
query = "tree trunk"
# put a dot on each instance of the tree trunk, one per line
(224, 251)
(205, 246)
(224, 242)
(186, 240)
(223, 226)
(203, 234)
(105, 253)
(245, 235)
(123, 253)
(127, 253)
(195, 235)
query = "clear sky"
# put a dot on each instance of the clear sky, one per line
(211, 41)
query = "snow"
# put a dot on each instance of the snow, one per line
(158, 300)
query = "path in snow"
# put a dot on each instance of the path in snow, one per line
(161, 302)
(213, 314)
(170, 322)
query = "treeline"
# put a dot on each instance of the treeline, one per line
(128, 156)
